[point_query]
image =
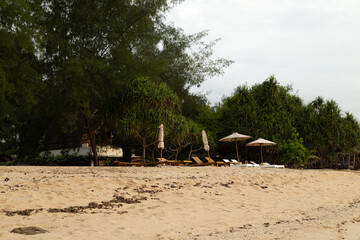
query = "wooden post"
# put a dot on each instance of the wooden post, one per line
(237, 152)
(354, 161)
(246, 150)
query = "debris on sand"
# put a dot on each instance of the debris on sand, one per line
(25, 212)
(28, 230)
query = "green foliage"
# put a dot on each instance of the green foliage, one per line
(184, 133)
(143, 106)
(292, 150)
(64, 65)
(310, 158)
(265, 110)
(208, 118)
(326, 130)
(61, 160)
(9, 163)
(20, 79)
(271, 111)
(193, 104)
(71, 66)
(189, 63)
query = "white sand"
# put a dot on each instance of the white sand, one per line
(181, 203)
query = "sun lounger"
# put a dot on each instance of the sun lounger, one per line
(185, 162)
(126, 163)
(239, 164)
(227, 161)
(164, 161)
(200, 163)
(217, 163)
(267, 165)
(174, 162)
(254, 164)
(234, 161)
(161, 162)
(279, 166)
(243, 165)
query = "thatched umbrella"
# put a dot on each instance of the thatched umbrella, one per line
(205, 141)
(260, 143)
(235, 137)
(161, 139)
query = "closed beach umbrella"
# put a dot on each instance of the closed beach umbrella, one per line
(161, 139)
(260, 143)
(235, 137)
(205, 141)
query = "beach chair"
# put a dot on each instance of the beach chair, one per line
(240, 164)
(174, 162)
(279, 166)
(199, 162)
(162, 162)
(128, 164)
(185, 162)
(243, 165)
(228, 162)
(169, 162)
(217, 163)
(254, 164)
(118, 163)
(234, 161)
(266, 165)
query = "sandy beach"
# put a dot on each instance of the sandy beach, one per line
(179, 203)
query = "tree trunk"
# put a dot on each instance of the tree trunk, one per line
(176, 154)
(144, 149)
(93, 147)
(354, 161)
(153, 154)
(191, 150)
(92, 142)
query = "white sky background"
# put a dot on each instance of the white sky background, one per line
(314, 45)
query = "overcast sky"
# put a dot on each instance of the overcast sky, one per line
(312, 44)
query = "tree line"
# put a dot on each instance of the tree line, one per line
(311, 134)
(74, 66)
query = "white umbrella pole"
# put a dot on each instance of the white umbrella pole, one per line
(237, 152)
(246, 157)
(161, 153)
(261, 154)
